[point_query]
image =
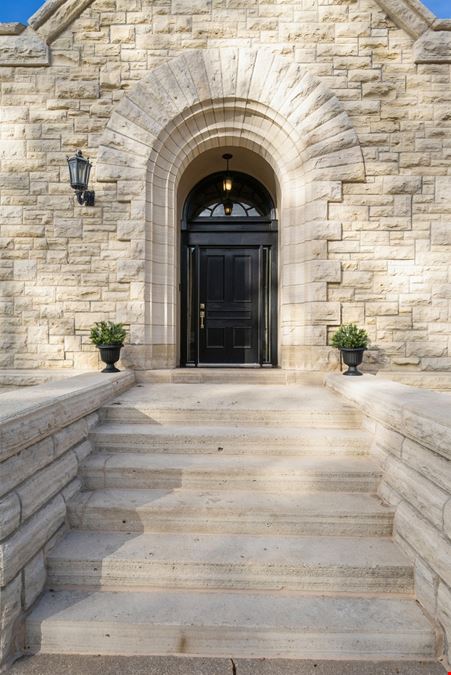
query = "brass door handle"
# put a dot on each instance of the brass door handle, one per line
(202, 315)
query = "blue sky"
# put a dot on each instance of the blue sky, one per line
(21, 10)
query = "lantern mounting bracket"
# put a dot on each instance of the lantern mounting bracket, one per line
(86, 198)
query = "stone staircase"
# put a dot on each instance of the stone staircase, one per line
(236, 520)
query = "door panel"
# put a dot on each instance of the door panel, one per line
(229, 289)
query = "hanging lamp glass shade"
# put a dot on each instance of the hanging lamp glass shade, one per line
(227, 183)
(79, 171)
(228, 207)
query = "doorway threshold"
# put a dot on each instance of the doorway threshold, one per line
(203, 375)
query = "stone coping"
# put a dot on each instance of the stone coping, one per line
(26, 377)
(424, 416)
(30, 414)
(434, 380)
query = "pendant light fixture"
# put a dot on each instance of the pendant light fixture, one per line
(227, 184)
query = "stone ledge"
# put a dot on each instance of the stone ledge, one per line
(423, 416)
(28, 377)
(30, 414)
(24, 49)
(12, 28)
(433, 47)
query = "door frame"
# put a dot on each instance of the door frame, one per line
(237, 236)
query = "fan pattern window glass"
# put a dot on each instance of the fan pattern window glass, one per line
(247, 198)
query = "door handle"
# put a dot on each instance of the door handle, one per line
(202, 315)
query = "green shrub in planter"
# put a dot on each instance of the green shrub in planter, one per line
(349, 336)
(109, 338)
(352, 342)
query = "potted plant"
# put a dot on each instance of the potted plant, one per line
(109, 338)
(352, 342)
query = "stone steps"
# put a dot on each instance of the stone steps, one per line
(193, 472)
(120, 561)
(233, 520)
(229, 624)
(152, 438)
(231, 511)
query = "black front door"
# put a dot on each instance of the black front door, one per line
(228, 286)
(229, 305)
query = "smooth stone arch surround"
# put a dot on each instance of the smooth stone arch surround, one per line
(231, 97)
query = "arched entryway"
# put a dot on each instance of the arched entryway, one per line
(253, 99)
(229, 273)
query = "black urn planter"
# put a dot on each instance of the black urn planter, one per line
(352, 358)
(109, 355)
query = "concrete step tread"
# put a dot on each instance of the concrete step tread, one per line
(233, 397)
(197, 501)
(236, 511)
(224, 472)
(236, 549)
(226, 623)
(233, 404)
(229, 440)
(219, 463)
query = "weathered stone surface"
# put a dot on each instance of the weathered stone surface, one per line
(55, 16)
(9, 515)
(70, 436)
(34, 579)
(23, 49)
(444, 609)
(44, 484)
(23, 465)
(10, 609)
(433, 47)
(12, 28)
(30, 538)
(28, 416)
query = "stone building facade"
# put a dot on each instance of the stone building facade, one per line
(341, 108)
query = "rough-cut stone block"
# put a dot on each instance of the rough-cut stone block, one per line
(23, 49)
(29, 416)
(23, 465)
(416, 490)
(34, 579)
(30, 538)
(433, 47)
(444, 611)
(10, 609)
(441, 234)
(9, 515)
(12, 28)
(69, 436)
(402, 184)
(447, 519)
(425, 539)
(37, 490)
(432, 466)
(426, 584)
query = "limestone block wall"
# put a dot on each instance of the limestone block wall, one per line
(382, 239)
(43, 439)
(412, 443)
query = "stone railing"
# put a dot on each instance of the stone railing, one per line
(43, 438)
(412, 443)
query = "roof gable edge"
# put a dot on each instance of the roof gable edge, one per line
(56, 15)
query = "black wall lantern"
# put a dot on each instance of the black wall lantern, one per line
(79, 170)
